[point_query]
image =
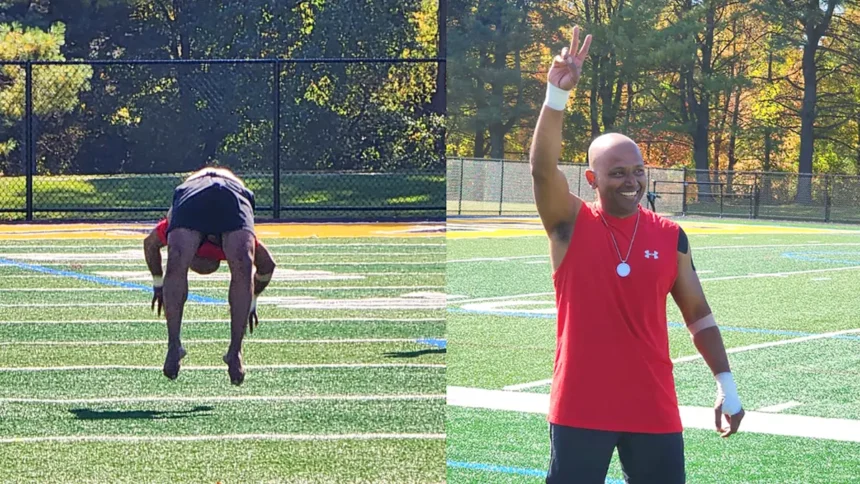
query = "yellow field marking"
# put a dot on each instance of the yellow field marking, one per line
(264, 231)
(530, 227)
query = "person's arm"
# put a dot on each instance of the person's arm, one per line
(690, 298)
(555, 204)
(265, 264)
(152, 253)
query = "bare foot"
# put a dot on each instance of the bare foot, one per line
(235, 368)
(171, 362)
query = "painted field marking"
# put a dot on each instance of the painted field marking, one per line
(198, 368)
(691, 417)
(221, 437)
(225, 321)
(208, 341)
(683, 359)
(779, 407)
(231, 398)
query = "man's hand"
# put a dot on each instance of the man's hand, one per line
(158, 295)
(253, 320)
(567, 67)
(733, 420)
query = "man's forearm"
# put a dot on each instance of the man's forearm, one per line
(153, 260)
(546, 142)
(709, 342)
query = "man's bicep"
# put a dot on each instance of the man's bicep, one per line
(687, 291)
(555, 204)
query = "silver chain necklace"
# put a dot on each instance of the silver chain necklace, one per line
(623, 269)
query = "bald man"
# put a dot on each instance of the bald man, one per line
(614, 264)
(212, 212)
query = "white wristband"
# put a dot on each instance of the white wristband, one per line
(254, 302)
(157, 281)
(556, 98)
(263, 277)
(727, 393)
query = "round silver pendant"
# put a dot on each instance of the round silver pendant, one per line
(623, 269)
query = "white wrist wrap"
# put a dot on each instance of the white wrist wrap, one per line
(704, 323)
(727, 392)
(263, 277)
(157, 281)
(254, 302)
(556, 98)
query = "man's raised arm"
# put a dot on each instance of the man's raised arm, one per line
(555, 204)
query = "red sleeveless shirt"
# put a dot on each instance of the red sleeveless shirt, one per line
(612, 366)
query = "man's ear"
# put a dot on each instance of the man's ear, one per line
(591, 178)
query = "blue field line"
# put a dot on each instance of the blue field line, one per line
(823, 257)
(100, 280)
(672, 324)
(437, 342)
(509, 470)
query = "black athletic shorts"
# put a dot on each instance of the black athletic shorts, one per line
(213, 205)
(581, 456)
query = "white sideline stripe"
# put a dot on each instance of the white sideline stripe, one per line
(104, 304)
(691, 417)
(248, 367)
(199, 438)
(780, 274)
(209, 288)
(139, 246)
(205, 341)
(499, 259)
(726, 278)
(499, 298)
(780, 407)
(413, 274)
(771, 344)
(267, 320)
(237, 398)
(739, 349)
(280, 264)
(834, 244)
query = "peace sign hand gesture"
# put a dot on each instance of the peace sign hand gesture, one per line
(567, 67)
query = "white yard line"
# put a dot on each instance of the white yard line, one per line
(234, 398)
(498, 259)
(222, 437)
(7, 245)
(207, 341)
(780, 274)
(225, 321)
(739, 349)
(780, 407)
(691, 417)
(222, 367)
(270, 288)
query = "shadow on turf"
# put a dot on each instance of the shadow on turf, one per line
(89, 414)
(414, 354)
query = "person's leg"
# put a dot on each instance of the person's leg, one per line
(579, 456)
(647, 458)
(239, 249)
(181, 246)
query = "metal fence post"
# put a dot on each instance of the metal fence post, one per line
(460, 197)
(826, 197)
(721, 200)
(30, 155)
(684, 192)
(756, 196)
(501, 186)
(276, 133)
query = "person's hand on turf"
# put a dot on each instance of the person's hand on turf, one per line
(733, 420)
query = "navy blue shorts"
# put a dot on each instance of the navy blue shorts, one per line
(212, 205)
(581, 456)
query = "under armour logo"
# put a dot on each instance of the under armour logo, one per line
(649, 254)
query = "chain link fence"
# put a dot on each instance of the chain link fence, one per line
(316, 139)
(504, 187)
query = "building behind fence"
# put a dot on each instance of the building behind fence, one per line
(504, 187)
(314, 138)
